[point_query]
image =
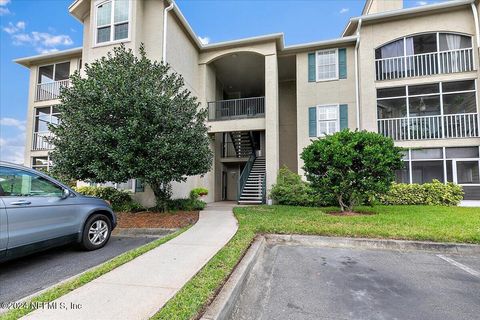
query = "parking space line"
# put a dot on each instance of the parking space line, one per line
(460, 265)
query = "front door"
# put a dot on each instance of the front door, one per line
(35, 208)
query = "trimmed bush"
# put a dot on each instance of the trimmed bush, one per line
(434, 194)
(197, 193)
(119, 199)
(186, 205)
(291, 190)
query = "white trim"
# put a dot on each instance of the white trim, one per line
(317, 65)
(337, 120)
(112, 24)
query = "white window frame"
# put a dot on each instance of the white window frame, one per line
(337, 120)
(112, 24)
(335, 50)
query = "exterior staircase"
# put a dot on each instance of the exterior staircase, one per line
(252, 192)
(242, 142)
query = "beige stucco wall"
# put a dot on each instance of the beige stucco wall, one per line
(288, 124)
(309, 94)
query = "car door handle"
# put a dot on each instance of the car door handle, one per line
(20, 202)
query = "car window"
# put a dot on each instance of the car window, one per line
(16, 182)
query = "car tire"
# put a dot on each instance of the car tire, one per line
(96, 232)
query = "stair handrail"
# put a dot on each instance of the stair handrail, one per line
(264, 189)
(242, 180)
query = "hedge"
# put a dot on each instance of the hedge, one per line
(434, 193)
(120, 200)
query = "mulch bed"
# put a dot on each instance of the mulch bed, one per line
(349, 213)
(148, 219)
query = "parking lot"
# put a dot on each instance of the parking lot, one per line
(301, 282)
(25, 276)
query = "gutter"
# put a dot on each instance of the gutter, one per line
(475, 18)
(164, 43)
(357, 86)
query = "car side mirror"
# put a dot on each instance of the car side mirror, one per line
(66, 193)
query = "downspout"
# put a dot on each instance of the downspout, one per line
(357, 86)
(164, 43)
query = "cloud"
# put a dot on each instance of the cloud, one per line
(344, 10)
(43, 42)
(14, 28)
(204, 40)
(12, 148)
(3, 9)
(422, 3)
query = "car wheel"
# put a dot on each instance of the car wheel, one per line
(96, 232)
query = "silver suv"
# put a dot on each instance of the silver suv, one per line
(38, 212)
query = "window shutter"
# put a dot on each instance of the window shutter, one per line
(343, 116)
(312, 121)
(342, 63)
(311, 67)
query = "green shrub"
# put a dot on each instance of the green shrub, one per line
(198, 192)
(120, 200)
(353, 166)
(434, 193)
(291, 190)
(186, 205)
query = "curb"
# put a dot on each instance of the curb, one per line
(143, 232)
(382, 244)
(222, 305)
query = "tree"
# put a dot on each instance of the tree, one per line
(352, 165)
(130, 117)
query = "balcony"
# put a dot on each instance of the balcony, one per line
(427, 64)
(41, 141)
(50, 90)
(236, 109)
(463, 125)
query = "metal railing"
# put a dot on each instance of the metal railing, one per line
(236, 108)
(464, 125)
(242, 180)
(425, 64)
(50, 90)
(264, 189)
(41, 141)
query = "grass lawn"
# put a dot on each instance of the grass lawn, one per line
(449, 224)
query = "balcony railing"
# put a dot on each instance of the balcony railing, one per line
(426, 64)
(464, 125)
(236, 108)
(50, 90)
(41, 141)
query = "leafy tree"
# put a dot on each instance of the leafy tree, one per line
(130, 117)
(352, 165)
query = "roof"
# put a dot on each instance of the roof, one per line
(431, 8)
(28, 61)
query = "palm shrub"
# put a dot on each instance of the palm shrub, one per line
(353, 166)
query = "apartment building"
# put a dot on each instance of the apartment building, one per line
(409, 74)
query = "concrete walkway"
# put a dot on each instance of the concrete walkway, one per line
(139, 288)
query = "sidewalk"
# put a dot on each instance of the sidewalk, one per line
(139, 288)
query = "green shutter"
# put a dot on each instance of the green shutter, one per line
(342, 63)
(312, 121)
(343, 116)
(139, 186)
(311, 67)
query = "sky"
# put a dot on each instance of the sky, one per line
(31, 27)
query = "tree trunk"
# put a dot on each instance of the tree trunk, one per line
(162, 192)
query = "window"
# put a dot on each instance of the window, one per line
(16, 182)
(53, 72)
(327, 65)
(44, 117)
(112, 21)
(328, 119)
(457, 97)
(41, 163)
